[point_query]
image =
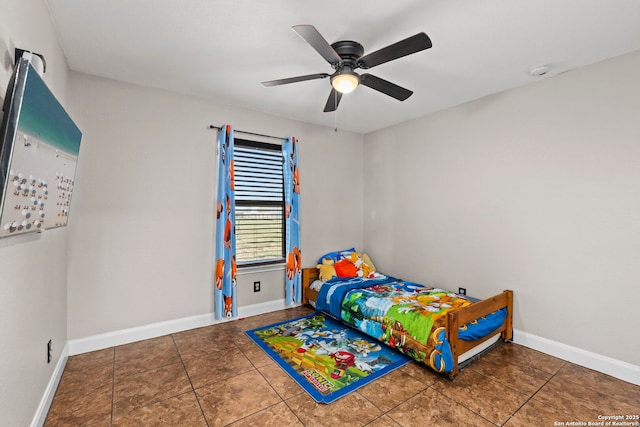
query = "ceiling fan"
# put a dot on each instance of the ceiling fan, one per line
(347, 56)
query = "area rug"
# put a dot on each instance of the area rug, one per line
(327, 359)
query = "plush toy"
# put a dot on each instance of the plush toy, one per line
(368, 261)
(346, 269)
(364, 269)
(326, 270)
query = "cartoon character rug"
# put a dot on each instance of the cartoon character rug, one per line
(327, 359)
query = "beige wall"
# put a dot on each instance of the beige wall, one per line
(141, 224)
(535, 189)
(33, 267)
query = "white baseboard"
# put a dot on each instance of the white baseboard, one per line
(45, 403)
(126, 336)
(607, 365)
(263, 307)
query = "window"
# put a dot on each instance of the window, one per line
(259, 190)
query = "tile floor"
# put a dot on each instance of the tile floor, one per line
(216, 376)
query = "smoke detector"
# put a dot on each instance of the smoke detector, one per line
(539, 71)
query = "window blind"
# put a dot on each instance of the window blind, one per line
(259, 202)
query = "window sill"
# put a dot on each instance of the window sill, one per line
(251, 269)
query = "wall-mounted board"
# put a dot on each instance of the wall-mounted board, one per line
(38, 156)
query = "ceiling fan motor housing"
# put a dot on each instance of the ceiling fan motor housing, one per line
(349, 51)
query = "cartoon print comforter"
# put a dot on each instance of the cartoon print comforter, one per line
(404, 315)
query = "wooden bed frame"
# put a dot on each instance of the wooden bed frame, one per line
(455, 318)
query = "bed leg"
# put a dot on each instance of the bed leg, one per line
(452, 337)
(507, 333)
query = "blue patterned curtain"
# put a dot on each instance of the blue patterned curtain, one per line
(225, 274)
(291, 172)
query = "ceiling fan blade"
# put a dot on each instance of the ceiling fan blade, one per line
(405, 47)
(385, 87)
(333, 101)
(315, 39)
(294, 79)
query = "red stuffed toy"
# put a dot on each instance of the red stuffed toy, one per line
(345, 269)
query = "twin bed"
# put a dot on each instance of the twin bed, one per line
(437, 327)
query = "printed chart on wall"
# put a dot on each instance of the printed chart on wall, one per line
(41, 166)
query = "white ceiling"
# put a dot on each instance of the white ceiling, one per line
(223, 49)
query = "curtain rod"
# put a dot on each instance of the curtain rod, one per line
(250, 133)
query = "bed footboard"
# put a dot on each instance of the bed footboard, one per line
(308, 276)
(460, 317)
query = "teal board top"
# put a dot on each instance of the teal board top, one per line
(43, 117)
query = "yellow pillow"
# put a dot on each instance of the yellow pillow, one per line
(368, 261)
(327, 270)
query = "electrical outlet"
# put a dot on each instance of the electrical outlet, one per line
(256, 286)
(49, 351)
(462, 291)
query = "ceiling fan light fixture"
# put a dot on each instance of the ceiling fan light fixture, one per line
(345, 82)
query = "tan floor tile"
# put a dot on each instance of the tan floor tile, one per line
(483, 395)
(383, 421)
(131, 392)
(235, 398)
(253, 324)
(91, 406)
(602, 382)
(280, 380)
(589, 402)
(230, 326)
(216, 367)
(526, 378)
(278, 415)
(158, 343)
(106, 422)
(214, 329)
(77, 361)
(256, 355)
(215, 339)
(537, 413)
(202, 345)
(351, 410)
(391, 390)
(249, 323)
(434, 409)
(420, 372)
(242, 340)
(80, 375)
(181, 410)
(132, 359)
(511, 353)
